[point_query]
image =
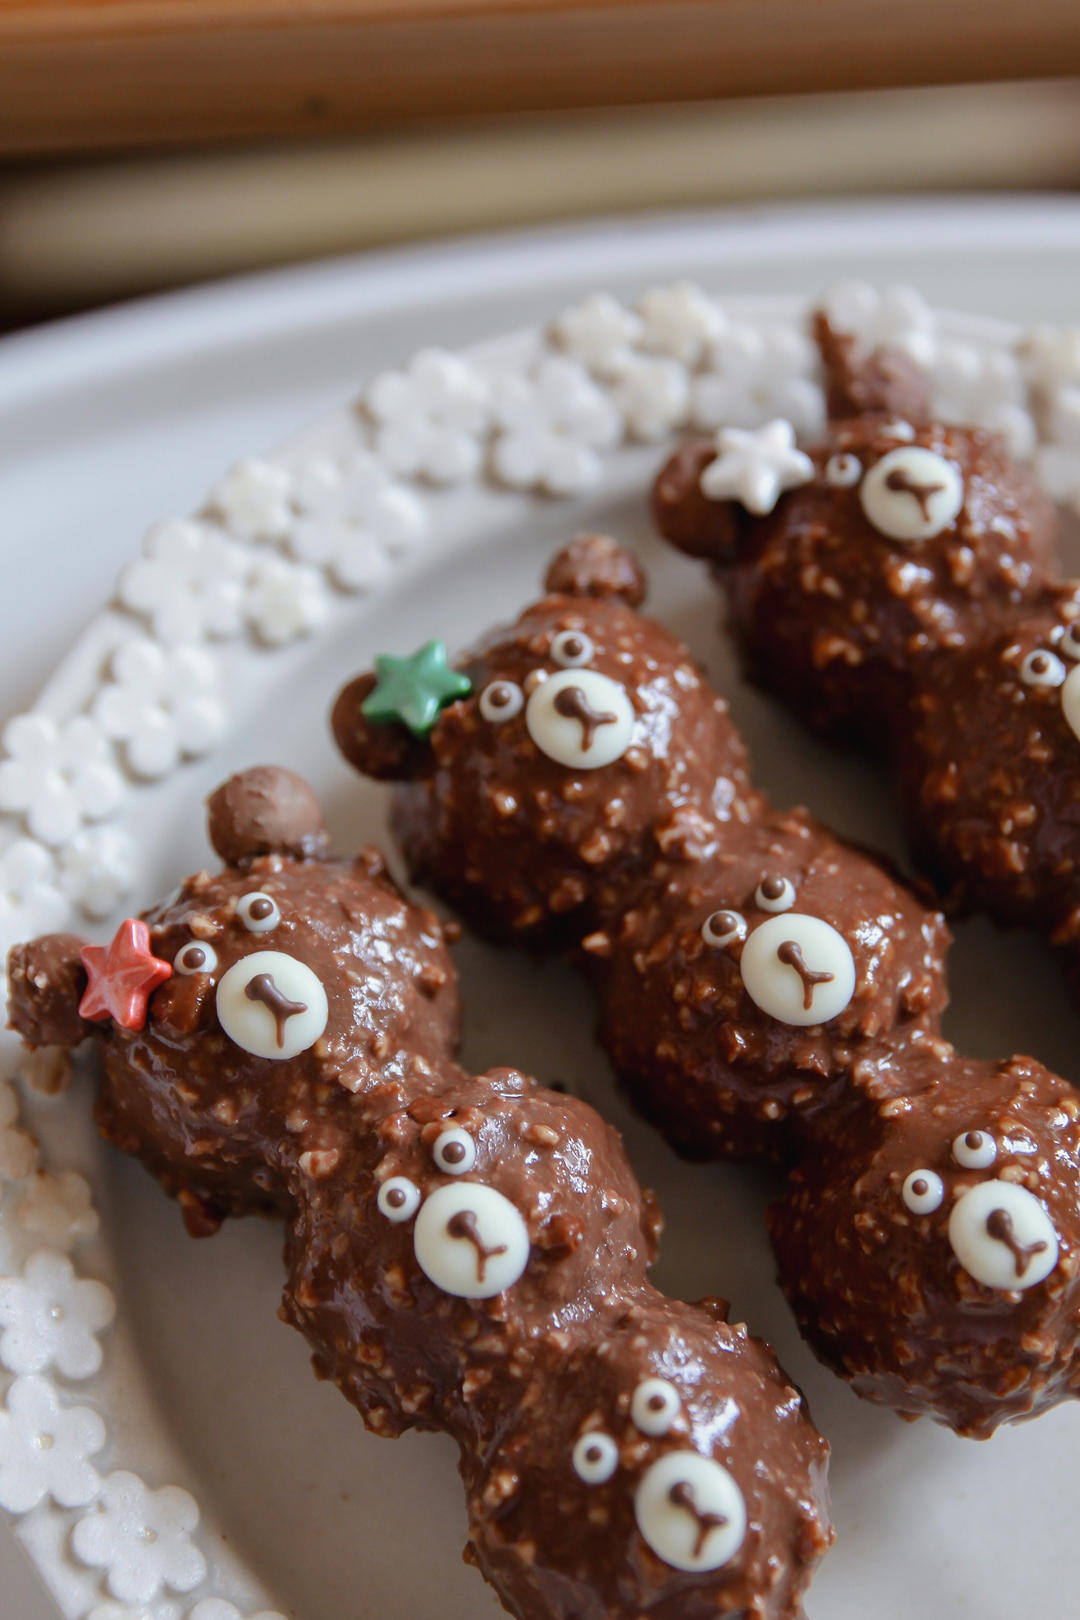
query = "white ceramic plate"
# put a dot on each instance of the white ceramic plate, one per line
(301, 1511)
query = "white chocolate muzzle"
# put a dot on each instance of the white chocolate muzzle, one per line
(690, 1511)
(584, 744)
(272, 1005)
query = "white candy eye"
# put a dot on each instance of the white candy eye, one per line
(923, 1192)
(581, 719)
(470, 1240)
(690, 1511)
(1002, 1236)
(595, 1457)
(898, 429)
(1070, 641)
(911, 494)
(571, 649)
(1070, 700)
(798, 969)
(774, 893)
(454, 1151)
(272, 1005)
(195, 957)
(501, 701)
(1042, 668)
(258, 912)
(843, 470)
(723, 928)
(655, 1406)
(399, 1198)
(975, 1150)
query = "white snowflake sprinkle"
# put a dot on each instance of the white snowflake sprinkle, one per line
(162, 703)
(680, 321)
(30, 901)
(189, 583)
(887, 317)
(553, 423)
(431, 417)
(58, 776)
(756, 467)
(1050, 356)
(284, 600)
(981, 387)
(218, 1609)
(18, 1149)
(51, 1317)
(47, 1070)
(141, 1539)
(58, 1209)
(1063, 417)
(653, 396)
(253, 500)
(352, 517)
(97, 868)
(757, 375)
(1058, 471)
(45, 1449)
(600, 332)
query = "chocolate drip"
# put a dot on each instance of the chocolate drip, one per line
(790, 953)
(682, 1495)
(263, 989)
(465, 1225)
(999, 1225)
(574, 705)
(901, 482)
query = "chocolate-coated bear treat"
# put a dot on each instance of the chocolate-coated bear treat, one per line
(466, 1252)
(901, 593)
(765, 990)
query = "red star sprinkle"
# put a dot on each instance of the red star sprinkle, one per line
(122, 977)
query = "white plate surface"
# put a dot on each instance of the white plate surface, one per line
(112, 421)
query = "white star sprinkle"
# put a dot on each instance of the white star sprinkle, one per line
(755, 466)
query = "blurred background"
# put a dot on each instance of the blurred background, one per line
(151, 143)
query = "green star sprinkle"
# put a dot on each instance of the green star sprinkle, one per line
(413, 690)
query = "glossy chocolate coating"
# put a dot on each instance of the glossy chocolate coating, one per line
(516, 1376)
(833, 616)
(915, 651)
(878, 1288)
(711, 1026)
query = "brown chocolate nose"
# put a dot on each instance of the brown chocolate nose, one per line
(465, 1225)
(682, 1495)
(901, 482)
(263, 989)
(999, 1225)
(572, 703)
(790, 953)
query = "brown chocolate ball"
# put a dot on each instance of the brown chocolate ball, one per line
(929, 1303)
(262, 811)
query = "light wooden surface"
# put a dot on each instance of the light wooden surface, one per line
(91, 231)
(104, 73)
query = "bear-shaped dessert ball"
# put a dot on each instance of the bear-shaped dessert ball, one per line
(764, 989)
(465, 1252)
(896, 585)
(627, 827)
(933, 1238)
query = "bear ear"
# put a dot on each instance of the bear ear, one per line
(862, 382)
(594, 566)
(265, 811)
(46, 980)
(385, 750)
(686, 517)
